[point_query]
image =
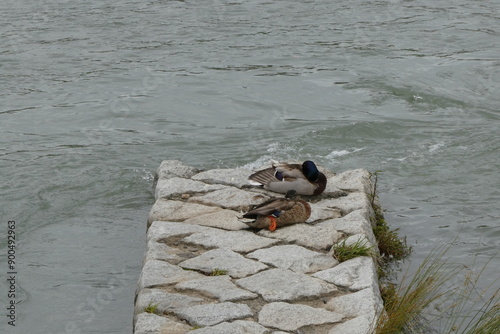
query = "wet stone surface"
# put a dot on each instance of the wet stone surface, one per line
(205, 272)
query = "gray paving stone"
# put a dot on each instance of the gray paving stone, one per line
(159, 273)
(291, 317)
(203, 221)
(148, 323)
(355, 274)
(356, 222)
(320, 236)
(366, 302)
(237, 265)
(295, 258)
(220, 287)
(323, 210)
(352, 202)
(351, 180)
(168, 210)
(230, 198)
(284, 285)
(212, 314)
(235, 327)
(174, 168)
(237, 177)
(238, 241)
(163, 300)
(163, 229)
(224, 219)
(160, 251)
(359, 325)
(167, 188)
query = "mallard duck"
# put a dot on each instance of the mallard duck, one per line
(305, 179)
(279, 212)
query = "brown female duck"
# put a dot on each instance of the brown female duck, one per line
(279, 212)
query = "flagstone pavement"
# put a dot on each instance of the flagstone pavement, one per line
(205, 272)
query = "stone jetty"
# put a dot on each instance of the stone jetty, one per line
(205, 272)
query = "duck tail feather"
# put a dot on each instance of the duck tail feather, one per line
(262, 177)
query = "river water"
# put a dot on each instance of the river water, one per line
(95, 94)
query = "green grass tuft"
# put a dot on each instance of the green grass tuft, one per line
(218, 272)
(390, 245)
(343, 252)
(389, 294)
(429, 300)
(151, 308)
(405, 304)
(411, 306)
(196, 327)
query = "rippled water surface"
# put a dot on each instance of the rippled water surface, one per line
(95, 94)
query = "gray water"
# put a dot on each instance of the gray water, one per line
(94, 94)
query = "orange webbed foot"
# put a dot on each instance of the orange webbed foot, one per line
(273, 225)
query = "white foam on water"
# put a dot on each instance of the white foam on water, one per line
(436, 147)
(334, 154)
(261, 162)
(340, 153)
(273, 147)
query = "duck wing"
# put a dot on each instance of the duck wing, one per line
(263, 177)
(270, 207)
(289, 171)
(279, 172)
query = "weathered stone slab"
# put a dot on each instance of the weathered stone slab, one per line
(237, 177)
(167, 210)
(225, 219)
(174, 168)
(351, 180)
(237, 266)
(176, 186)
(163, 300)
(284, 285)
(320, 236)
(359, 325)
(235, 327)
(163, 229)
(148, 323)
(350, 306)
(159, 273)
(321, 211)
(182, 229)
(238, 241)
(230, 198)
(295, 258)
(352, 202)
(159, 251)
(356, 222)
(219, 287)
(291, 317)
(356, 274)
(163, 252)
(212, 314)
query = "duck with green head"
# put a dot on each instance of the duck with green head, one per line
(304, 178)
(279, 212)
